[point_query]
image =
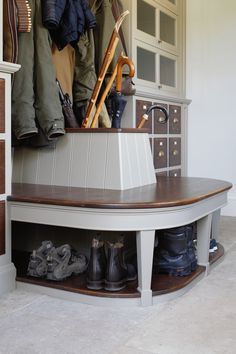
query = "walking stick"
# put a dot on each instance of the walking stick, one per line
(110, 51)
(117, 72)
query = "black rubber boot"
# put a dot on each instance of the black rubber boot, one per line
(116, 273)
(171, 255)
(191, 234)
(97, 266)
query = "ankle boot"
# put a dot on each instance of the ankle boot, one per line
(116, 272)
(97, 266)
(171, 255)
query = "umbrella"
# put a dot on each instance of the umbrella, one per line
(144, 117)
(118, 102)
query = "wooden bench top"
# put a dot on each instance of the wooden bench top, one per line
(167, 192)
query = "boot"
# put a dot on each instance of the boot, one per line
(63, 262)
(191, 234)
(97, 266)
(171, 255)
(37, 266)
(116, 272)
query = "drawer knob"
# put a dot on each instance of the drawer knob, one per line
(161, 119)
(175, 120)
(161, 153)
(175, 152)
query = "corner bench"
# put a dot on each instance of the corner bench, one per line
(170, 202)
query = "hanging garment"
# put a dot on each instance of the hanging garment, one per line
(10, 40)
(75, 71)
(35, 101)
(67, 20)
(85, 79)
(64, 63)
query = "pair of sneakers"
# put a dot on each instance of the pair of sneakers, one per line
(56, 263)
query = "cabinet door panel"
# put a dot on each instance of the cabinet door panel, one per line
(175, 173)
(146, 64)
(159, 127)
(2, 166)
(146, 18)
(2, 227)
(167, 28)
(174, 151)
(174, 119)
(141, 107)
(161, 173)
(160, 152)
(2, 106)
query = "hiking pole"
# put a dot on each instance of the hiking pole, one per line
(110, 51)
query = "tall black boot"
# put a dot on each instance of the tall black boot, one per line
(97, 265)
(116, 273)
(171, 255)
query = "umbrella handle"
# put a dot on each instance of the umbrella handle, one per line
(144, 117)
(123, 60)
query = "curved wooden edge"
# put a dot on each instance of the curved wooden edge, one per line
(167, 192)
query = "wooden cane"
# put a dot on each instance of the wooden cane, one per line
(117, 72)
(105, 64)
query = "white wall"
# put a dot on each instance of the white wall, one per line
(211, 84)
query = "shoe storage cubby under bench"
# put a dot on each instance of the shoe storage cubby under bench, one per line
(170, 202)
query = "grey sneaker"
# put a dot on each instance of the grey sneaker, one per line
(37, 266)
(63, 261)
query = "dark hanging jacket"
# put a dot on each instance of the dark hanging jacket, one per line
(67, 20)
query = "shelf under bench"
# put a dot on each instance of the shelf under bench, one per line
(171, 202)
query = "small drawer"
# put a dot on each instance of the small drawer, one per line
(2, 227)
(174, 151)
(161, 174)
(160, 152)
(159, 117)
(175, 173)
(2, 166)
(141, 108)
(2, 106)
(174, 119)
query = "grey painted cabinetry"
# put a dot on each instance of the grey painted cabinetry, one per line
(155, 32)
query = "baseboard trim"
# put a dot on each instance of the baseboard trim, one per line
(7, 278)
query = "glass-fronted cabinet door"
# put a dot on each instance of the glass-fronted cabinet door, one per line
(146, 21)
(156, 68)
(167, 30)
(156, 25)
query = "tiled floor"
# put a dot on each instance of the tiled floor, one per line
(203, 321)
